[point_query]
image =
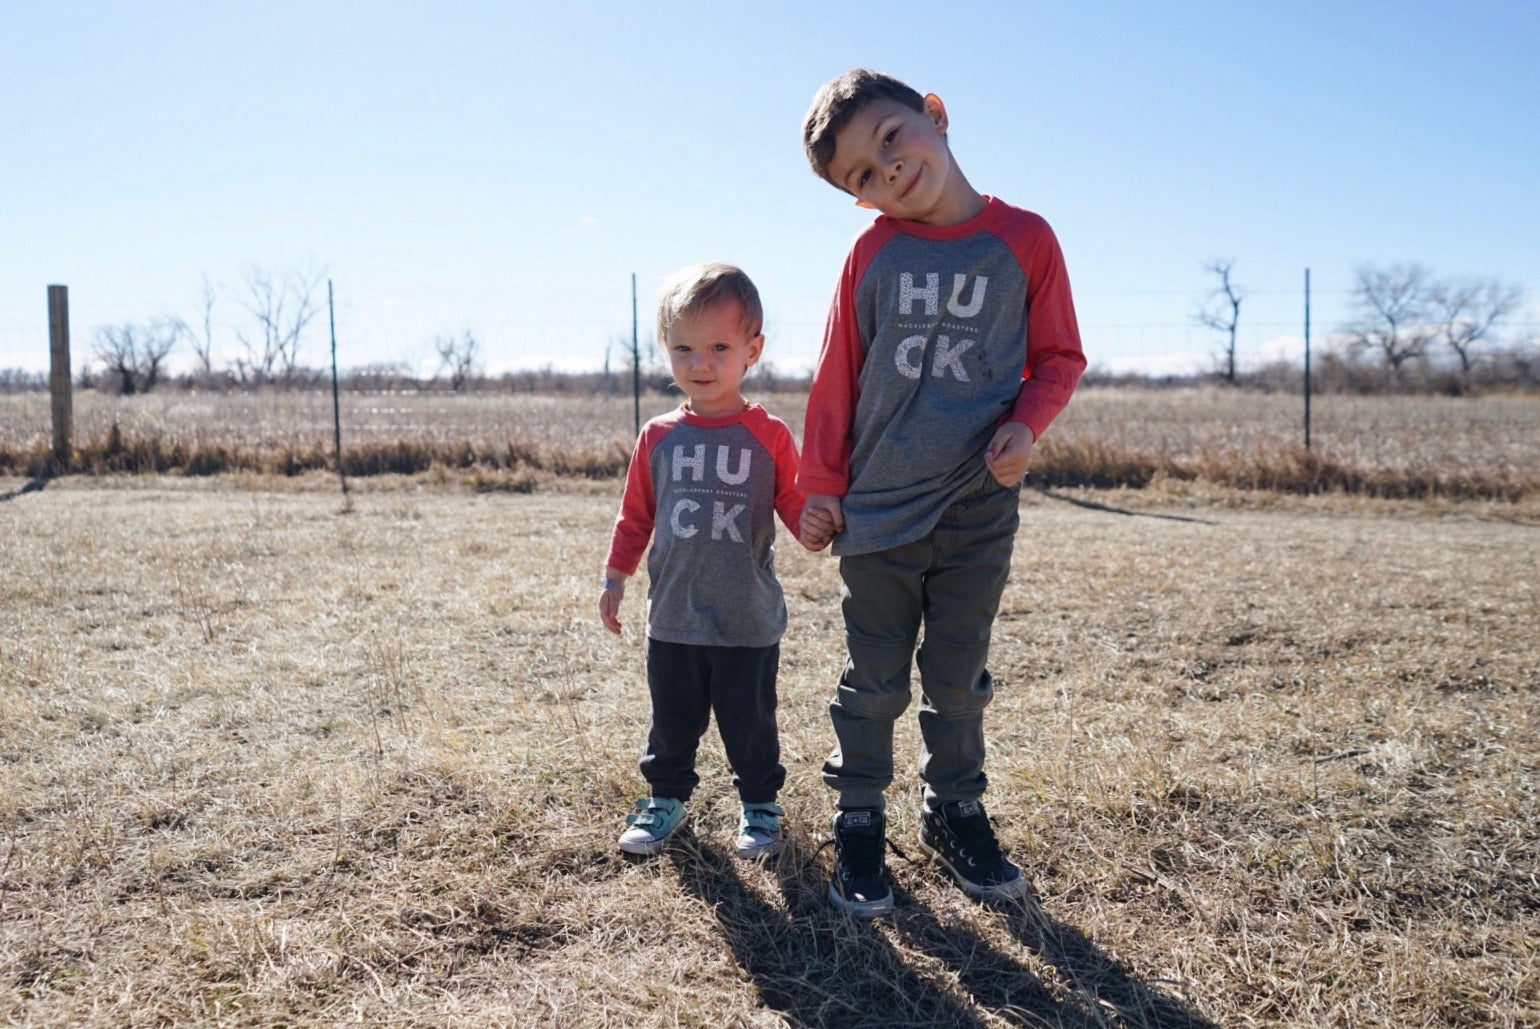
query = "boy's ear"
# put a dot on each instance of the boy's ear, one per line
(863, 203)
(935, 110)
(756, 347)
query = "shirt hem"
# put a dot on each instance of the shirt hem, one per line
(699, 640)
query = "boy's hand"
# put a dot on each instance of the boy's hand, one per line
(816, 531)
(1009, 453)
(822, 517)
(609, 601)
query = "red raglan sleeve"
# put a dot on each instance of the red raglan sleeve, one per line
(831, 402)
(788, 498)
(777, 440)
(1055, 359)
(638, 507)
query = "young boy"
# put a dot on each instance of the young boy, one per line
(951, 345)
(709, 477)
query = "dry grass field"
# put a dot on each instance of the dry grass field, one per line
(1384, 446)
(269, 758)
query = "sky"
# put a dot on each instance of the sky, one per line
(507, 168)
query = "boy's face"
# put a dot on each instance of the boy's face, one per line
(709, 352)
(896, 160)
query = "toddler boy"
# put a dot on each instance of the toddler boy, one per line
(703, 486)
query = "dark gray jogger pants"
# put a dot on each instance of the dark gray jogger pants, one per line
(687, 684)
(948, 583)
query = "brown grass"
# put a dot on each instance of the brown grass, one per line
(1393, 447)
(270, 759)
(1378, 446)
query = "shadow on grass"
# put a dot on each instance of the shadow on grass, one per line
(1106, 991)
(32, 486)
(1091, 505)
(816, 967)
(810, 964)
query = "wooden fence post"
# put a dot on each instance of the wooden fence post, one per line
(59, 383)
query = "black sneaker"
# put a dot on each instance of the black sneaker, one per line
(961, 838)
(860, 885)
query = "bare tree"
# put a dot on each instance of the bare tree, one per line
(619, 346)
(282, 305)
(653, 363)
(1222, 310)
(1392, 306)
(1466, 311)
(134, 354)
(458, 356)
(200, 335)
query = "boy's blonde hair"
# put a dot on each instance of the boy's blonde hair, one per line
(838, 101)
(699, 287)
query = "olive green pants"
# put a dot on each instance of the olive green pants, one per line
(947, 584)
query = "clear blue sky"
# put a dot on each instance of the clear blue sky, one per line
(507, 167)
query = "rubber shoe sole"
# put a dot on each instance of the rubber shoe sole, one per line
(751, 849)
(879, 908)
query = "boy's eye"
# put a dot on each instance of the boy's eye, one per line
(888, 139)
(861, 179)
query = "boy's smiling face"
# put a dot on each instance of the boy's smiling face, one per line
(896, 160)
(709, 352)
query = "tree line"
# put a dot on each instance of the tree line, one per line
(277, 305)
(1409, 328)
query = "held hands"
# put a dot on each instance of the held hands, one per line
(609, 600)
(1009, 453)
(822, 517)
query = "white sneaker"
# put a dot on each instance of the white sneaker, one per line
(653, 824)
(759, 831)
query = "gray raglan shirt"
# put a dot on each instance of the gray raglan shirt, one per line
(705, 491)
(937, 335)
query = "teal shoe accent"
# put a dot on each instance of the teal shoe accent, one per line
(653, 824)
(759, 831)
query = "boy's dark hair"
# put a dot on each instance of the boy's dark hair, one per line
(838, 101)
(696, 288)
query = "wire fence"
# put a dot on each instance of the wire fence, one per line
(1386, 445)
(1148, 332)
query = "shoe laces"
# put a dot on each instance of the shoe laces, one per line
(860, 850)
(976, 837)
